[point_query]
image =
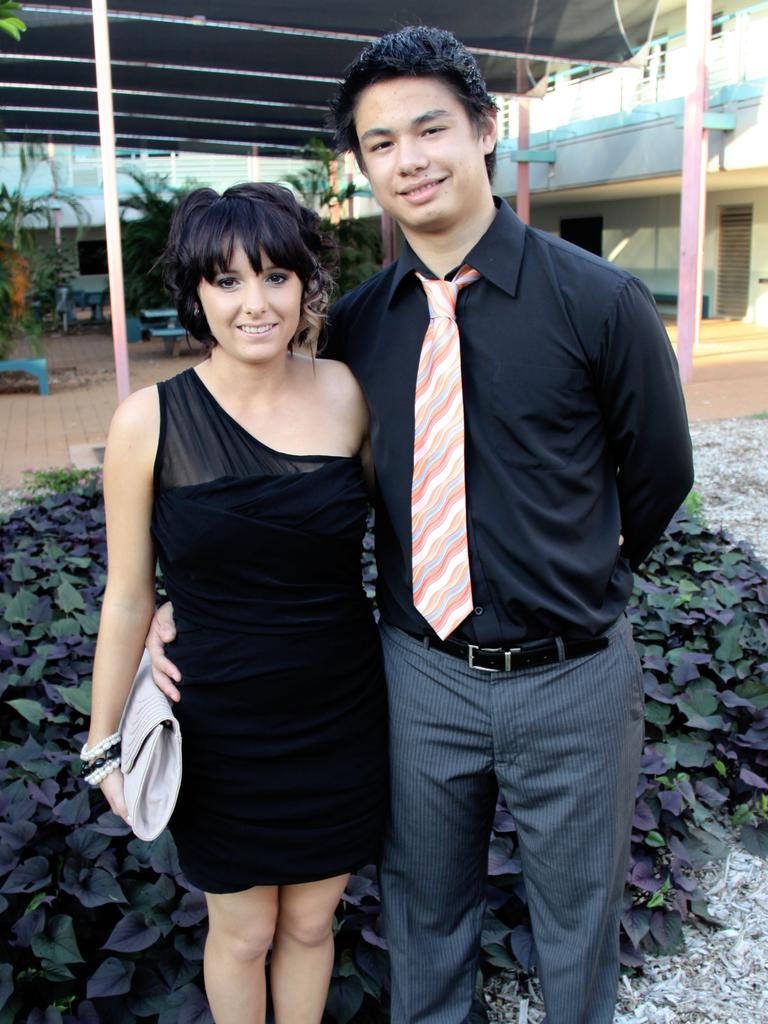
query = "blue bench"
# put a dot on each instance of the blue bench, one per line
(668, 299)
(163, 323)
(170, 336)
(38, 367)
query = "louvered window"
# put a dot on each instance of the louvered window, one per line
(733, 254)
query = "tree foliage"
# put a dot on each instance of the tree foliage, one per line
(31, 267)
(9, 23)
(23, 211)
(14, 285)
(358, 248)
(145, 236)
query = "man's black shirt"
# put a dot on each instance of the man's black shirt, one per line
(575, 430)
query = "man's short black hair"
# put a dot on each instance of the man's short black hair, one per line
(415, 50)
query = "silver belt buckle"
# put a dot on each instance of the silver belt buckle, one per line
(471, 648)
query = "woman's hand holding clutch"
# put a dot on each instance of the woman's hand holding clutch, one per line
(112, 788)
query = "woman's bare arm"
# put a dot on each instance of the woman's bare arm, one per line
(130, 592)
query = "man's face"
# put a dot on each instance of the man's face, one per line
(423, 157)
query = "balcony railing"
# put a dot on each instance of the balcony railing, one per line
(78, 169)
(737, 54)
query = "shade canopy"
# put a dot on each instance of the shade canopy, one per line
(228, 77)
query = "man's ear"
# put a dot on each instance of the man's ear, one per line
(489, 131)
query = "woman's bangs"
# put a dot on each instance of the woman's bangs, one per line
(218, 236)
(276, 234)
(258, 228)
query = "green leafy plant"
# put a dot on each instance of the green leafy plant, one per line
(22, 212)
(60, 480)
(103, 927)
(314, 184)
(694, 506)
(50, 269)
(31, 268)
(15, 316)
(358, 248)
(360, 252)
(9, 23)
(145, 236)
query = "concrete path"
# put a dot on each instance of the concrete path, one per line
(70, 425)
(730, 375)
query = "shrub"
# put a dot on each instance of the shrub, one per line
(39, 483)
(699, 617)
(14, 285)
(104, 928)
(357, 250)
(145, 236)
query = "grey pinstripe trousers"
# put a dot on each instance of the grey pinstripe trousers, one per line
(563, 743)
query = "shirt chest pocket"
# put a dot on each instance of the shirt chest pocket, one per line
(543, 414)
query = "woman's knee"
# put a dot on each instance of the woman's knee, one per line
(242, 927)
(244, 943)
(309, 928)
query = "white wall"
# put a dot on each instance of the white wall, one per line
(642, 235)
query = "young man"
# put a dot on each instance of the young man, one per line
(518, 483)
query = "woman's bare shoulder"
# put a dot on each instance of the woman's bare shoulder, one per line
(337, 395)
(136, 420)
(338, 379)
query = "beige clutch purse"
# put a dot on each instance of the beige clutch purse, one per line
(150, 755)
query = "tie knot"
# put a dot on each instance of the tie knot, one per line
(442, 295)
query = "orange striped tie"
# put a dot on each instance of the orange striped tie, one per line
(442, 590)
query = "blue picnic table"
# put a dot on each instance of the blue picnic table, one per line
(164, 323)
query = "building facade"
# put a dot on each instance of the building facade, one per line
(609, 148)
(604, 154)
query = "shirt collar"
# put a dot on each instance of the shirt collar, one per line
(498, 255)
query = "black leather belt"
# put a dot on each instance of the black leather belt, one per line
(528, 655)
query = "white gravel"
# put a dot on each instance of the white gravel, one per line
(731, 463)
(721, 976)
(9, 500)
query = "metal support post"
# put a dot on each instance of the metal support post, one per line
(693, 197)
(523, 142)
(111, 204)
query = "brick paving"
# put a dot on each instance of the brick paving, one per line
(64, 428)
(61, 429)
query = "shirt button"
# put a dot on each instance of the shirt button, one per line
(479, 610)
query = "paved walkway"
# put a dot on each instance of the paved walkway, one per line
(70, 425)
(730, 375)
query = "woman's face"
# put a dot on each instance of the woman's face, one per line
(253, 316)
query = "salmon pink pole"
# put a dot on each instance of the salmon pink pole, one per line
(523, 198)
(694, 189)
(109, 184)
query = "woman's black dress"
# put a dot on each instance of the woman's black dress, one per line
(283, 707)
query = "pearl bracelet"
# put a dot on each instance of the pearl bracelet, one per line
(99, 748)
(88, 767)
(97, 777)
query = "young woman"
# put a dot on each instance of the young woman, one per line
(244, 476)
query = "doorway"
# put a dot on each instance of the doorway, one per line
(586, 232)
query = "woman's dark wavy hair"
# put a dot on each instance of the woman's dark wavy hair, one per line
(415, 50)
(206, 227)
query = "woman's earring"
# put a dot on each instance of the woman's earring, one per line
(196, 309)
